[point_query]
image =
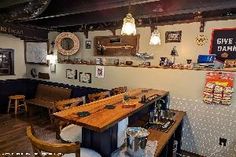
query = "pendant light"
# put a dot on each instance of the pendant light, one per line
(155, 37)
(128, 27)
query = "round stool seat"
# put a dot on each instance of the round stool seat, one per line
(17, 97)
(71, 133)
(84, 152)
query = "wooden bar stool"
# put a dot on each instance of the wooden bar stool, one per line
(19, 100)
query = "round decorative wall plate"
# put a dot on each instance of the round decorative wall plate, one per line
(67, 43)
(201, 40)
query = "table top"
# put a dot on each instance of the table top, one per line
(164, 137)
(101, 118)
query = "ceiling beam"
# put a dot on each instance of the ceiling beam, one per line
(70, 7)
(109, 15)
(147, 10)
(10, 3)
(24, 32)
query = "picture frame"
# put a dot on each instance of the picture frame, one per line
(173, 36)
(36, 52)
(85, 77)
(71, 74)
(100, 73)
(88, 44)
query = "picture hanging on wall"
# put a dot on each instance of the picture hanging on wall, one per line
(85, 77)
(223, 43)
(36, 52)
(173, 36)
(88, 44)
(71, 74)
(100, 73)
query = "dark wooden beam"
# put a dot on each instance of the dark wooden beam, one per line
(24, 32)
(146, 10)
(177, 19)
(71, 7)
(10, 3)
(109, 15)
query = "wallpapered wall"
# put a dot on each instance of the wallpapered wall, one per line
(204, 124)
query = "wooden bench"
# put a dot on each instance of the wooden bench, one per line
(47, 96)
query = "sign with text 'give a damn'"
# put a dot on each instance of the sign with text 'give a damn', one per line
(223, 44)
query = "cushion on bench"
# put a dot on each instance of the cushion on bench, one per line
(52, 92)
(47, 96)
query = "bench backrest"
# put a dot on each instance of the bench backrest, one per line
(52, 92)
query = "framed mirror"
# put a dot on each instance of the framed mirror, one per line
(67, 43)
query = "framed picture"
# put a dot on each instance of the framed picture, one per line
(36, 52)
(85, 77)
(71, 74)
(173, 36)
(88, 44)
(223, 43)
(100, 72)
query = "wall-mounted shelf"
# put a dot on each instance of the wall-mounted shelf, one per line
(116, 45)
(157, 67)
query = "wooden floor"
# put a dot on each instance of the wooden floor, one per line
(13, 133)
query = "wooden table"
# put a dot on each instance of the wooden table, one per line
(101, 118)
(164, 138)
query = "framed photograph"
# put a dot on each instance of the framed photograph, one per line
(36, 52)
(88, 44)
(173, 36)
(85, 77)
(71, 74)
(100, 73)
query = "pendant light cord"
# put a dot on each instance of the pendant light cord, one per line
(129, 9)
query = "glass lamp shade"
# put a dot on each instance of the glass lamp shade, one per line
(155, 38)
(129, 27)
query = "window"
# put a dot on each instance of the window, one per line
(6, 61)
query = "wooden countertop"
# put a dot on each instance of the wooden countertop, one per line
(163, 137)
(101, 118)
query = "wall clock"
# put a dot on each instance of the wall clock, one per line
(67, 43)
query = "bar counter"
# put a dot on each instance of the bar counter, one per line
(101, 126)
(100, 117)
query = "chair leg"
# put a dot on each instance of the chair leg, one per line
(9, 106)
(16, 106)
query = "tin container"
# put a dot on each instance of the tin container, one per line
(136, 140)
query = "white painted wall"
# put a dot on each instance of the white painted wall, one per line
(204, 123)
(9, 41)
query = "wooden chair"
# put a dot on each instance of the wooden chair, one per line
(64, 130)
(45, 149)
(65, 104)
(118, 90)
(98, 96)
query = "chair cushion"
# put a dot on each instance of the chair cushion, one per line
(71, 133)
(84, 152)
